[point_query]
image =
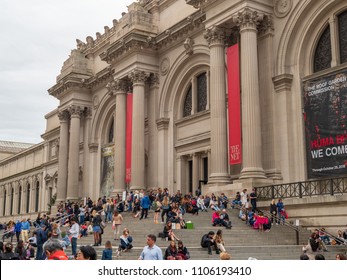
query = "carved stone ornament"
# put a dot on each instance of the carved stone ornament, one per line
(247, 19)
(75, 111)
(95, 102)
(188, 45)
(215, 35)
(138, 76)
(165, 66)
(282, 7)
(64, 116)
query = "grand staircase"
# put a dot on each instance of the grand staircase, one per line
(241, 241)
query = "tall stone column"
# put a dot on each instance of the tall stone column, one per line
(86, 156)
(251, 125)
(64, 118)
(7, 198)
(74, 151)
(196, 161)
(267, 101)
(119, 89)
(138, 79)
(152, 172)
(219, 145)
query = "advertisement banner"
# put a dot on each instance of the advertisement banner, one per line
(234, 105)
(129, 121)
(325, 116)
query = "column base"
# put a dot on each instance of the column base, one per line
(219, 179)
(252, 172)
(135, 188)
(274, 174)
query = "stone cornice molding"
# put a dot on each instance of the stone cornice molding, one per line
(200, 4)
(100, 78)
(247, 19)
(215, 35)
(283, 82)
(163, 123)
(75, 111)
(138, 77)
(182, 29)
(69, 83)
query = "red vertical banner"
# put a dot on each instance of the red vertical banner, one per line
(234, 105)
(129, 135)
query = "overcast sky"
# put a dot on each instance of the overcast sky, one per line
(36, 37)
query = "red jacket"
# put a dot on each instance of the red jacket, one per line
(58, 255)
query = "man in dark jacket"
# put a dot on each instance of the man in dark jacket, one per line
(207, 241)
(145, 203)
(41, 237)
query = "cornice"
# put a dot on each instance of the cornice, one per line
(180, 30)
(69, 83)
(200, 4)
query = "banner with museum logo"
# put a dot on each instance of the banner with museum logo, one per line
(325, 116)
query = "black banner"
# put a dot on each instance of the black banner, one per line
(325, 116)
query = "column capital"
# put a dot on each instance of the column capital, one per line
(266, 26)
(88, 112)
(138, 77)
(75, 111)
(154, 80)
(63, 116)
(117, 86)
(247, 19)
(163, 123)
(215, 35)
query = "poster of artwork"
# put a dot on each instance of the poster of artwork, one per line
(325, 117)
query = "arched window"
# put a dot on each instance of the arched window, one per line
(37, 196)
(187, 109)
(11, 202)
(111, 133)
(4, 208)
(19, 199)
(322, 55)
(202, 92)
(196, 99)
(342, 24)
(28, 198)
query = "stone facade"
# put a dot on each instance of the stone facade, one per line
(174, 63)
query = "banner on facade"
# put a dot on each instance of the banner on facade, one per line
(325, 117)
(234, 110)
(129, 116)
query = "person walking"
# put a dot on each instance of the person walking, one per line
(151, 251)
(145, 203)
(116, 224)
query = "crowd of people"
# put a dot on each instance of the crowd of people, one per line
(73, 221)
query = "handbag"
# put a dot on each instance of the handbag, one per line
(103, 224)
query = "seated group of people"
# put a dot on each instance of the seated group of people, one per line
(221, 218)
(259, 221)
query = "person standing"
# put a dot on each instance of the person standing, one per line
(273, 211)
(18, 229)
(280, 208)
(151, 251)
(145, 203)
(116, 224)
(41, 238)
(253, 198)
(25, 230)
(74, 232)
(244, 198)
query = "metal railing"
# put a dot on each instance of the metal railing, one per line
(331, 186)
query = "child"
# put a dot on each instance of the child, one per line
(107, 252)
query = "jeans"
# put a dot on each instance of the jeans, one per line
(74, 246)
